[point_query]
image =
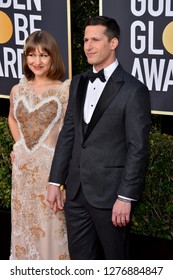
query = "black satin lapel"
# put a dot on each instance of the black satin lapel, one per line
(110, 91)
(80, 99)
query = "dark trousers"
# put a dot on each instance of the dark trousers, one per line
(91, 234)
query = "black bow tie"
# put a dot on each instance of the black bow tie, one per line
(92, 76)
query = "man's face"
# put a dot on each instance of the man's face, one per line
(99, 51)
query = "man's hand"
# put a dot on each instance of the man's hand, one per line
(56, 198)
(121, 213)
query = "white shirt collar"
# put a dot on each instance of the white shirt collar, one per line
(109, 69)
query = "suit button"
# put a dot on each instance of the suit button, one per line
(83, 146)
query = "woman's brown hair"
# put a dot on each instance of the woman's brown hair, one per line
(46, 41)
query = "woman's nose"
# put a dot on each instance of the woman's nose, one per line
(37, 59)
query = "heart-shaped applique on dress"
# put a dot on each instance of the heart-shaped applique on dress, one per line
(36, 121)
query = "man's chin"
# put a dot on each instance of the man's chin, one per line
(91, 61)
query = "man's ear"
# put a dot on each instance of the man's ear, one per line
(114, 43)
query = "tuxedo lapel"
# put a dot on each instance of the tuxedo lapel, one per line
(80, 99)
(110, 91)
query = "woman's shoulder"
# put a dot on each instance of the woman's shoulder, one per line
(15, 89)
(62, 90)
(66, 83)
(22, 82)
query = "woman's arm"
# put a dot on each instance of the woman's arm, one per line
(11, 119)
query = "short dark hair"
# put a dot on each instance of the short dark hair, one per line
(47, 42)
(112, 27)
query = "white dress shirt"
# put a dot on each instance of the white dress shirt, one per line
(94, 91)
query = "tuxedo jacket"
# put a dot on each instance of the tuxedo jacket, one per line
(110, 158)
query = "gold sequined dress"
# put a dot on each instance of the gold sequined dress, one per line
(37, 233)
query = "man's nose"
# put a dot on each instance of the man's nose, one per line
(89, 45)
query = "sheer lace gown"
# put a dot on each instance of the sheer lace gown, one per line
(37, 233)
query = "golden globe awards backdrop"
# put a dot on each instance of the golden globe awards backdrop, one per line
(19, 18)
(146, 45)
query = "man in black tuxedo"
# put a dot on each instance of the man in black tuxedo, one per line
(102, 149)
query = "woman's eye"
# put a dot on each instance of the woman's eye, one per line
(44, 55)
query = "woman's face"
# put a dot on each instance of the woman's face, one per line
(39, 62)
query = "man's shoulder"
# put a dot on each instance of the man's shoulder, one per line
(79, 75)
(134, 81)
